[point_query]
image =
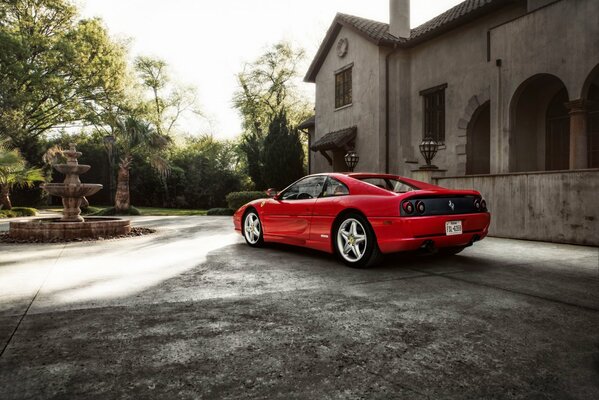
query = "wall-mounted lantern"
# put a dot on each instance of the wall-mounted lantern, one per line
(351, 160)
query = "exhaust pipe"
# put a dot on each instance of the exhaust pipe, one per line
(475, 238)
(428, 246)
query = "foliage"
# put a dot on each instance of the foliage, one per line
(238, 199)
(167, 102)
(266, 89)
(18, 212)
(113, 211)
(54, 69)
(220, 211)
(283, 154)
(15, 173)
(209, 172)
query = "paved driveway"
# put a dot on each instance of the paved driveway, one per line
(192, 312)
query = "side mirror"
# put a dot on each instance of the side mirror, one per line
(272, 193)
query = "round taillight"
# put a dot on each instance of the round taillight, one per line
(408, 207)
(477, 204)
(420, 207)
(483, 205)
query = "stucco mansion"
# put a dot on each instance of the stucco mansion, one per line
(509, 89)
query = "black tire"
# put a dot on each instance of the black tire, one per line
(252, 239)
(451, 251)
(370, 253)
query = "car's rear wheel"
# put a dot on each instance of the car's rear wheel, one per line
(355, 242)
(252, 229)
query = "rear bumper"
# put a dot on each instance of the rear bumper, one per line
(396, 234)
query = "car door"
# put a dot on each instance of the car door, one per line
(289, 214)
(326, 208)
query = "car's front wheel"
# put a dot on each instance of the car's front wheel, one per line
(355, 242)
(252, 229)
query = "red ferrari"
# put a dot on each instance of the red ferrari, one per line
(358, 216)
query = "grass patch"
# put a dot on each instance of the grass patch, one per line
(159, 212)
(18, 212)
(148, 211)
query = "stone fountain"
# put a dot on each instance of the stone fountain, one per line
(71, 190)
(72, 225)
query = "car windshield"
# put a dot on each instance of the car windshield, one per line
(393, 185)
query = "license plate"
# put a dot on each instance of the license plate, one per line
(453, 227)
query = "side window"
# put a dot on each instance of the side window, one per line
(400, 187)
(308, 188)
(335, 188)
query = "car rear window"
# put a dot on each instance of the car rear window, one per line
(393, 185)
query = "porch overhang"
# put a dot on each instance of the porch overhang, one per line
(337, 140)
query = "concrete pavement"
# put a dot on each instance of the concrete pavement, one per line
(192, 312)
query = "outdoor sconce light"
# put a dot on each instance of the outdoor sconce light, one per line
(351, 160)
(428, 149)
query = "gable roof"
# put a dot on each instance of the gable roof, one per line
(378, 32)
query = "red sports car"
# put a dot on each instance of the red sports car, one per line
(358, 216)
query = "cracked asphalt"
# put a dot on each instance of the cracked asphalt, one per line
(192, 312)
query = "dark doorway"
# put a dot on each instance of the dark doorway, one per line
(593, 126)
(539, 125)
(478, 147)
(557, 138)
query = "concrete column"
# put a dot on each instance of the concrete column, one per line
(579, 157)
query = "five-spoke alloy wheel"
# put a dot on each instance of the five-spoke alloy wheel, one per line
(252, 229)
(355, 242)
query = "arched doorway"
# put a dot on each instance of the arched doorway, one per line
(591, 93)
(539, 125)
(478, 147)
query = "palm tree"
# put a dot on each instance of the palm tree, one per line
(135, 137)
(14, 173)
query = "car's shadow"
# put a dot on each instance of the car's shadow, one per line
(420, 259)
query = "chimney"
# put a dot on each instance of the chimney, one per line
(399, 18)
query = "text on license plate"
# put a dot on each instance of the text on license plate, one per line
(453, 227)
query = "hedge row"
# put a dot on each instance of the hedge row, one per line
(237, 199)
(220, 211)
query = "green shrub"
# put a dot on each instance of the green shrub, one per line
(112, 211)
(18, 212)
(220, 211)
(237, 199)
(25, 211)
(89, 210)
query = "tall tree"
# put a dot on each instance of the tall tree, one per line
(52, 66)
(14, 172)
(283, 154)
(266, 88)
(136, 138)
(167, 102)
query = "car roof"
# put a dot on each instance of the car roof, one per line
(365, 175)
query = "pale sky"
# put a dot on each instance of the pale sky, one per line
(206, 42)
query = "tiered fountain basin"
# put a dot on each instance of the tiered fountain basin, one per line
(72, 225)
(49, 229)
